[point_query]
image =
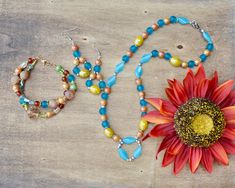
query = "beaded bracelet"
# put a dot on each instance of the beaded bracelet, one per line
(175, 61)
(35, 108)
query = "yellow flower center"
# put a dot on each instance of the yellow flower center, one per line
(202, 124)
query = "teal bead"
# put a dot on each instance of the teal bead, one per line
(123, 154)
(138, 72)
(119, 67)
(207, 37)
(129, 140)
(183, 21)
(111, 81)
(145, 58)
(137, 152)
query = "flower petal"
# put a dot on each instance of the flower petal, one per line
(229, 112)
(195, 158)
(163, 106)
(162, 130)
(229, 101)
(155, 117)
(213, 84)
(179, 92)
(219, 153)
(167, 159)
(171, 96)
(201, 89)
(228, 145)
(221, 92)
(181, 159)
(189, 84)
(167, 141)
(175, 147)
(207, 160)
(229, 133)
(200, 74)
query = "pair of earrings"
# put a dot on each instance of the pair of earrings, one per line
(49, 108)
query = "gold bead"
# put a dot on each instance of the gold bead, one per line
(109, 132)
(50, 114)
(98, 62)
(92, 76)
(155, 27)
(116, 138)
(84, 73)
(144, 109)
(167, 21)
(129, 53)
(107, 90)
(161, 54)
(61, 100)
(207, 52)
(145, 35)
(143, 125)
(184, 64)
(76, 61)
(175, 61)
(15, 88)
(142, 94)
(66, 85)
(99, 76)
(82, 60)
(104, 117)
(138, 81)
(139, 41)
(197, 62)
(103, 103)
(140, 134)
(95, 90)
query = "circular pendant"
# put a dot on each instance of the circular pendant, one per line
(123, 153)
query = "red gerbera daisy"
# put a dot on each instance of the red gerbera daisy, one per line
(198, 121)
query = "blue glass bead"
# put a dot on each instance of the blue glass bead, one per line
(119, 67)
(133, 48)
(191, 64)
(137, 153)
(71, 78)
(143, 113)
(183, 21)
(76, 54)
(160, 23)
(129, 140)
(89, 83)
(125, 58)
(210, 47)
(173, 19)
(44, 104)
(105, 124)
(155, 53)
(138, 71)
(102, 111)
(203, 57)
(143, 102)
(207, 37)
(149, 30)
(76, 70)
(167, 56)
(145, 58)
(21, 101)
(123, 154)
(102, 84)
(111, 81)
(105, 96)
(140, 88)
(87, 66)
(97, 68)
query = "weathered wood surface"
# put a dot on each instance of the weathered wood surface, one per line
(70, 149)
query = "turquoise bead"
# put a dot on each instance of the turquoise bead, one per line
(119, 67)
(44, 104)
(145, 58)
(129, 140)
(123, 154)
(137, 152)
(183, 21)
(111, 81)
(207, 37)
(138, 72)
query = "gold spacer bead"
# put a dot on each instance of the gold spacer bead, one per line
(197, 62)
(104, 117)
(76, 61)
(207, 52)
(82, 60)
(140, 134)
(144, 109)
(184, 65)
(129, 53)
(103, 103)
(92, 76)
(98, 62)
(155, 27)
(167, 21)
(138, 81)
(116, 138)
(145, 35)
(107, 90)
(161, 54)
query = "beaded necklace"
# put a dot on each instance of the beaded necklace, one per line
(174, 61)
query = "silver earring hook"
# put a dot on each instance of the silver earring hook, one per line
(66, 35)
(98, 51)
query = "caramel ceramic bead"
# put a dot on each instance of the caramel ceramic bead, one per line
(61, 100)
(50, 114)
(129, 53)
(82, 60)
(184, 64)
(161, 54)
(116, 138)
(76, 61)
(167, 21)
(16, 88)
(75, 47)
(197, 62)
(138, 81)
(99, 76)
(145, 35)
(103, 102)
(155, 27)
(92, 76)
(24, 75)
(15, 80)
(18, 71)
(207, 52)
(142, 94)
(140, 134)
(66, 86)
(52, 103)
(98, 62)
(143, 109)
(69, 94)
(107, 90)
(104, 117)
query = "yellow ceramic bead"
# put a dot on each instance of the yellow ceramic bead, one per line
(95, 90)
(139, 41)
(143, 125)
(175, 61)
(109, 132)
(84, 73)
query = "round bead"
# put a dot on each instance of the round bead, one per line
(102, 111)
(103, 102)
(167, 56)
(175, 61)
(98, 62)
(44, 104)
(109, 132)
(139, 41)
(173, 19)
(125, 58)
(144, 109)
(167, 21)
(203, 57)
(24, 75)
(89, 83)
(65, 86)
(52, 103)
(143, 125)
(138, 81)
(149, 30)
(210, 47)
(15, 79)
(69, 94)
(145, 35)
(191, 64)
(116, 138)
(133, 48)
(76, 53)
(129, 53)
(99, 76)
(105, 96)
(140, 134)
(75, 47)
(95, 90)
(140, 88)
(82, 60)
(87, 65)
(92, 76)
(155, 53)
(84, 73)
(105, 124)
(207, 52)
(102, 84)
(15, 87)
(73, 87)
(61, 100)
(107, 90)
(76, 70)
(104, 117)
(161, 23)
(184, 64)
(58, 68)
(161, 54)
(197, 62)
(142, 94)
(37, 103)
(155, 27)
(71, 78)
(76, 61)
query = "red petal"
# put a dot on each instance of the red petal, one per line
(213, 84)
(207, 160)
(230, 126)
(219, 153)
(170, 82)
(201, 89)
(229, 112)
(165, 107)
(229, 133)
(181, 159)
(189, 84)
(179, 92)
(166, 142)
(221, 92)
(162, 130)
(175, 147)
(167, 159)
(200, 74)
(228, 145)
(195, 158)
(171, 96)
(155, 117)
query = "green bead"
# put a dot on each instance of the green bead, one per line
(58, 68)
(73, 87)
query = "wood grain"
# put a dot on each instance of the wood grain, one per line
(70, 150)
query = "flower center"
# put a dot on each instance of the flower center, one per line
(199, 122)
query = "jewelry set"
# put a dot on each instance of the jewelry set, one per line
(197, 122)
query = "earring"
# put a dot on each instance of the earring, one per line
(45, 108)
(88, 71)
